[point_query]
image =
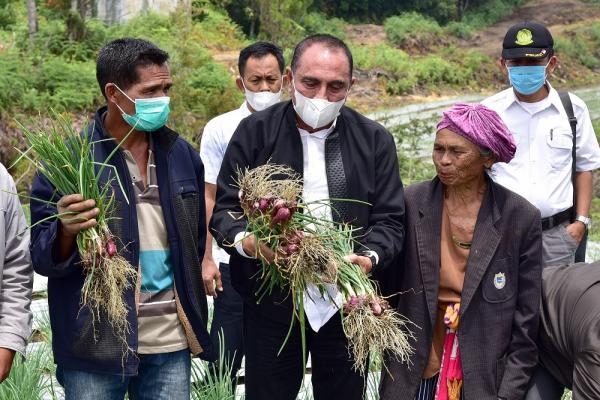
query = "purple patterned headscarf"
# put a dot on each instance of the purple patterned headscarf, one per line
(482, 126)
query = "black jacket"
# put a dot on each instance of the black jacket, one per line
(569, 338)
(498, 322)
(372, 175)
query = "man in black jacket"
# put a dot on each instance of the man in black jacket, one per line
(310, 133)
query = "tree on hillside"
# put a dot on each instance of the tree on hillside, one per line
(32, 20)
(377, 11)
(244, 12)
(278, 20)
(461, 6)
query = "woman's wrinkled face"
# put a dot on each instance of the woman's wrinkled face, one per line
(457, 160)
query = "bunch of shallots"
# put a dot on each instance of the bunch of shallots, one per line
(311, 250)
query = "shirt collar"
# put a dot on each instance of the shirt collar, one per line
(244, 109)
(322, 134)
(511, 98)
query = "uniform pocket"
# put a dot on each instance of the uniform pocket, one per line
(498, 284)
(560, 143)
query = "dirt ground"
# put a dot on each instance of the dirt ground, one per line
(555, 14)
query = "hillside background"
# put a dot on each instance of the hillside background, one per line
(406, 52)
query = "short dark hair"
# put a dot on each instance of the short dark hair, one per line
(260, 50)
(118, 60)
(329, 41)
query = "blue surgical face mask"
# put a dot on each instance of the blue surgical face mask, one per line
(527, 79)
(150, 114)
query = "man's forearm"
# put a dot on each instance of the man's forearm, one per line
(209, 199)
(583, 189)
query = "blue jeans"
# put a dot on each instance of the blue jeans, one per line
(164, 376)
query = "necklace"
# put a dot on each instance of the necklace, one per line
(458, 226)
(462, 245)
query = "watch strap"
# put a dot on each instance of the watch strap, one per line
(583, 219)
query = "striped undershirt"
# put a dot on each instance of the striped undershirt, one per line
(159, 328)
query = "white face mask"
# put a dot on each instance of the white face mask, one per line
(316, 112)
(261, 100)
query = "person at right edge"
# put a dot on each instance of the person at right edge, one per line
(569, 335)
(542, 166)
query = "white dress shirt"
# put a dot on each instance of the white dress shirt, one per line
(215, 138)
(318, 308)
(541, 168)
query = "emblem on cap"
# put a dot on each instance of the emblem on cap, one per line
(524, 37)
(499, 280)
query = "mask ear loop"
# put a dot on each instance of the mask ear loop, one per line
(119, 107)
(124, 94)
(281, 86)
(546, 69)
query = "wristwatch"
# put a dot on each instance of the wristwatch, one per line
(587, 221)
(371, 255)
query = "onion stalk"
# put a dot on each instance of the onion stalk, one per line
(66, 159)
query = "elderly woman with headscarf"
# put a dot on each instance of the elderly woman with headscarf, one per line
(470, 271)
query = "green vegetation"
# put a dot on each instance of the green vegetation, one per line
(444, 11)
(582, 46)
(53, 71)
(315, 22)
(405, 74)
(253, 15)
(30, 377)
(420, 55)
(488, 12)
(55, 68)
(212, 383)
(412, 29)
(594, 233)
(414, 142)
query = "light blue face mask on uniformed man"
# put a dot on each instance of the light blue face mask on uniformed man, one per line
(150, 114)
(527, 79)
